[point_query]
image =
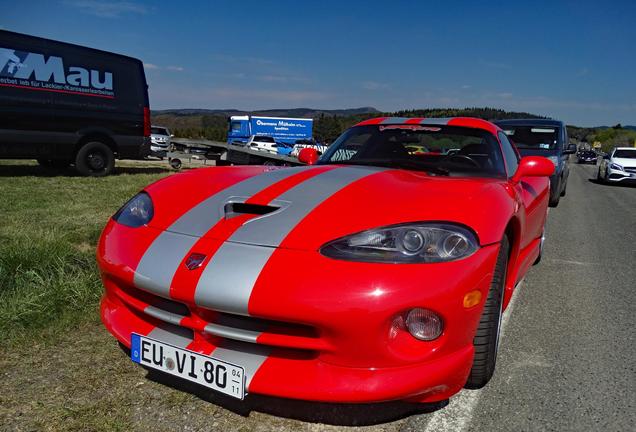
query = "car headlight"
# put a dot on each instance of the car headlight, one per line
(405, 243)
(136, 212)
(555, 160)
(616, 166)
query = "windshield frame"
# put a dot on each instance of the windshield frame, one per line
(500, 171)
(632, 153)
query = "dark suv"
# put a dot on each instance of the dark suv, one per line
(548, 138)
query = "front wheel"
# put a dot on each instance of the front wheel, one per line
(486, 341)
(95, 159)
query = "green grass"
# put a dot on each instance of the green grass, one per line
(49, 227)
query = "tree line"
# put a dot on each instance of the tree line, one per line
(328, 127)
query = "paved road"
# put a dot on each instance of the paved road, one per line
(568, 353)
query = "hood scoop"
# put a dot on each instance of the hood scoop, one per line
(233, 209)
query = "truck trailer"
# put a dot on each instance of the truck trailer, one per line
(283, 130)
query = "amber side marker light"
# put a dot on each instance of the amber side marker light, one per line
(472, 299)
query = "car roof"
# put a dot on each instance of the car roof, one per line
(471, 122)
(624, 148)
(528, 122)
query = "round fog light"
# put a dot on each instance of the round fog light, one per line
(424, 324)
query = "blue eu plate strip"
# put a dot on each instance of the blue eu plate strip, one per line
(135, 342)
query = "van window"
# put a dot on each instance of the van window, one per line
(533, 137)
(159, 131)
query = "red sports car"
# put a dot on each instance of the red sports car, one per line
(375, 274)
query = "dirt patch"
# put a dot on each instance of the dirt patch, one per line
(84, 381)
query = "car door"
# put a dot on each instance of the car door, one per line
(529, 192)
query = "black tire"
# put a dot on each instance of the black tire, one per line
(175, 163)
(565, 186)
(554, 201)
(486, 340)
(538, 260)
(598, 175)
(95, 159)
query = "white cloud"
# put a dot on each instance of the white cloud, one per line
(108, 9)
(175, 68)
(582, 72)
(283, 78)
(495, 65)
(150, 66)
(373, 85)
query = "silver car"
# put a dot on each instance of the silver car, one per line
(159, 141)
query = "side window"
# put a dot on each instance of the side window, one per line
(510, 155)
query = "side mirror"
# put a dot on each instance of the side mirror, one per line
(308, 156)
(571, 149)
(533, 166)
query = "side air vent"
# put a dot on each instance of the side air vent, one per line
(235, 209)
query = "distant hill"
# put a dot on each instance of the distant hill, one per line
(282, 112)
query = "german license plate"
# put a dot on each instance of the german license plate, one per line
(208, 371)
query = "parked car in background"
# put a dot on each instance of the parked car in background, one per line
(65, 104)
(586, 156)
(619, 165)
(541, 137)
(263, 143)
(159, 141)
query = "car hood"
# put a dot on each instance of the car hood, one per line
(305, 207)
(625, 162)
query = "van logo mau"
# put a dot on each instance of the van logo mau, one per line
(34, 71)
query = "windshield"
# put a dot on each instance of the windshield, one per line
(625, 154)
(533, 137)
(439, 150)
(158, 131)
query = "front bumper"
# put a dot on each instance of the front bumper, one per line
(614, 175)
(324, 333)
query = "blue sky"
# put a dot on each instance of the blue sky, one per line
(572, 60)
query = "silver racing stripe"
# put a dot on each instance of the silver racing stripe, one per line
(226, 283)
(436, 121)
(270, 230)
(171, 334)
(200, 218)
(249, 356)
(394, 120)
(159, 263)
